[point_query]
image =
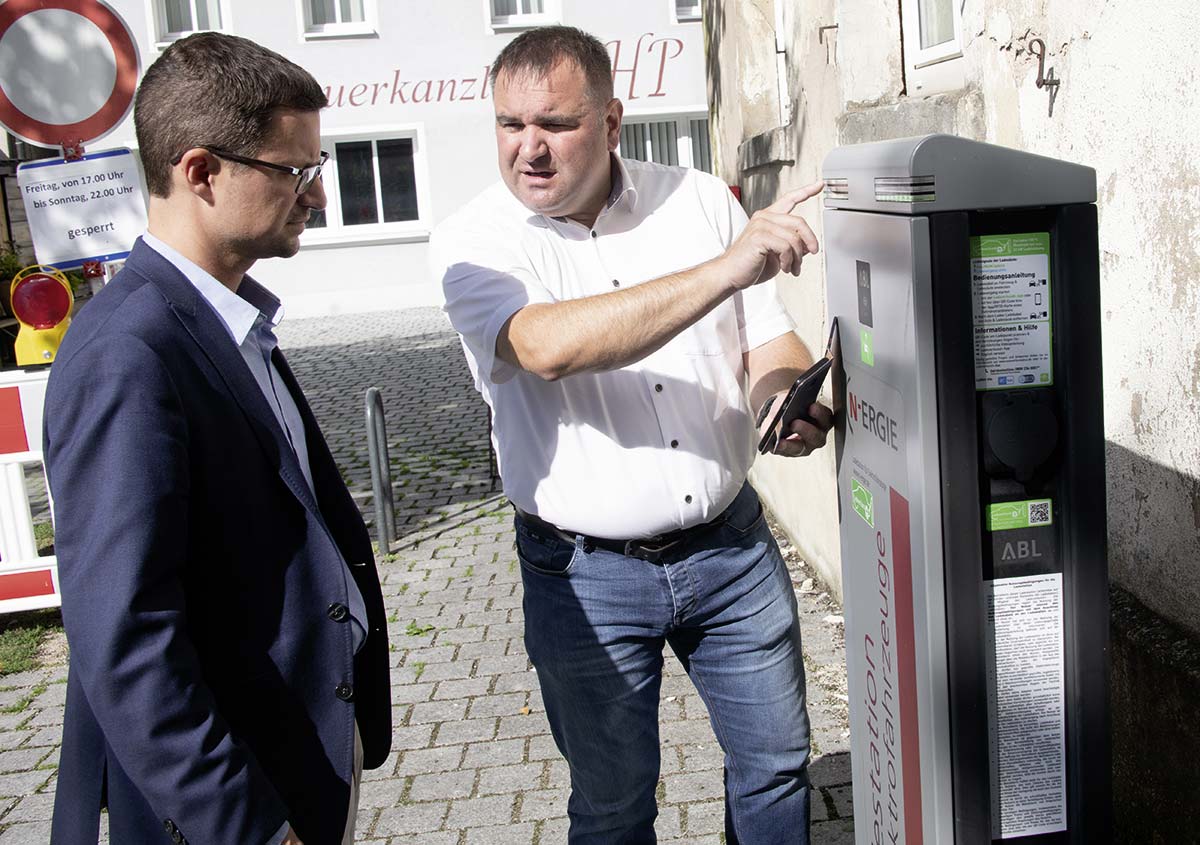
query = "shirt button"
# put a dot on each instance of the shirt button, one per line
(593, 233)
(688, 499)
(616, 284)
(658, 388)
(338, 612)
(344, 691)
(674, 444)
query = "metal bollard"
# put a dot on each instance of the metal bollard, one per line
(381, 471)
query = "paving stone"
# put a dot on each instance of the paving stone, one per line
(480, 812)
(21, 760)
(497, 705)
(438, 711)
(843, 801)
(511, 834)
(704, 818)
(411, 736)
(31, 833)
(544, 804)
(377, 794)
(32, 808)
(461, 746)
(430, 760)
(467, 730)
(458, 784)
(411, 818)
(496, 753)
(518, 778)
(531, 725)
(693, 787)
(467, 688)
(23, 783)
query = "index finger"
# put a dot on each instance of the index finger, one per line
(791, 199)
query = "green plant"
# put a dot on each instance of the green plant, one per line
(415, 630)
(18, 648)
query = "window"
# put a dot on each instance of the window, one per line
(673, 140)
(514, 14)
(323, 18)
(932, 31)
(686, 10)
(177, 18)
(374, 187)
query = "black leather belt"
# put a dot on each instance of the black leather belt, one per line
(649, 549)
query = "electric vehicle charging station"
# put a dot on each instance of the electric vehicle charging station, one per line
(970, 446)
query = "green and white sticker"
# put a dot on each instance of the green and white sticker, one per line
(867, 347)
(1031, 513)
(862, 501)
(1010, 290)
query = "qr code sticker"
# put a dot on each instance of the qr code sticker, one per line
(1039, 513)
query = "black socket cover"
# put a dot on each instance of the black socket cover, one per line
(1020, 431)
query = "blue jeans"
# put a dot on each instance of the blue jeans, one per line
(595, 625)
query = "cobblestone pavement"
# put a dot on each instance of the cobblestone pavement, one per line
(473, 762)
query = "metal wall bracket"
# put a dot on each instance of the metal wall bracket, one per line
(1045, 79)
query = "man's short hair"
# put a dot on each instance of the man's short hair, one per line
(214, 89)
(536, 52)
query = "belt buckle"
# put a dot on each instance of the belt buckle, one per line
(646, 550)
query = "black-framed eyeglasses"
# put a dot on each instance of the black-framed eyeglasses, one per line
(305, 175)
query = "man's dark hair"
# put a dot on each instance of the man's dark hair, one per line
(216, 89)
(536, 52)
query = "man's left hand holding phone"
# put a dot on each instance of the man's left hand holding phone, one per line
(792, 422)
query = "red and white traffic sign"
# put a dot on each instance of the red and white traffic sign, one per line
(68, 70)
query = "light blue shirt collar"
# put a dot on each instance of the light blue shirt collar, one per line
(238, 311)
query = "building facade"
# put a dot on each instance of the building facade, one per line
(409, 125)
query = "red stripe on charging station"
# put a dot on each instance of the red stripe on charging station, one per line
(12, 422)
(906, 671)
(25, 585)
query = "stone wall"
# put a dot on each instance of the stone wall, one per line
(1126, 105)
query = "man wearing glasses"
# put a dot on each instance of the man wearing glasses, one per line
(229, 671)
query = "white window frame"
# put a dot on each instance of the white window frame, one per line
(932, 70)
(683, 130)
(367, 27)
(508, 23)
(156, 17)
(686, 19)
(334, 233)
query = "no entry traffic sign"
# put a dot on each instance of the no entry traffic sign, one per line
(68, 70)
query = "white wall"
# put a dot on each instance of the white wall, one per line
(439, 52)
(1128, 106)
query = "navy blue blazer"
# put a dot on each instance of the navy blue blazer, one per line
(213, 686)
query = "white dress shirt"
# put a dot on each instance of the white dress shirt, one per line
(661, 444)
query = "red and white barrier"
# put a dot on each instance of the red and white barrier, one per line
(26, 580)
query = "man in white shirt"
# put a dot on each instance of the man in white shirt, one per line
(621, 321)
(229, 661)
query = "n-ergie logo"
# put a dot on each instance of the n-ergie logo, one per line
(872, 419)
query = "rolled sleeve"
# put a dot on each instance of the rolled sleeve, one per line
(484, 283)
(762, 316)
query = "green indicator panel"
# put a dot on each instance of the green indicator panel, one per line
(1013, 327)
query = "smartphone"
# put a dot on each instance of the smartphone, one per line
(775, 419)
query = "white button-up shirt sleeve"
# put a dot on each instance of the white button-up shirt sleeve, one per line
(486, 279)
(761, 317)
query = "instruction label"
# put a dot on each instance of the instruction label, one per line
(1010, 291)
(1026, 723)
(87, 210)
